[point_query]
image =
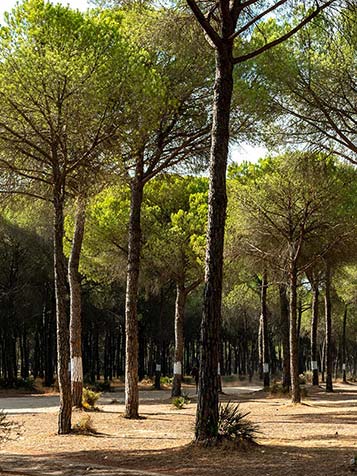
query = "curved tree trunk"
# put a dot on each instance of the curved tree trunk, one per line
(132, 284)
(314, 324)
(284, 327)
(264, 330)
(328, 349)
(294, 348)
(181, 296)
(65, 412)
(207, 408)
(75, 326)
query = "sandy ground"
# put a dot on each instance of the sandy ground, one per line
(318, 437)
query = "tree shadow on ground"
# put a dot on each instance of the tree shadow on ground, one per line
(190, 460)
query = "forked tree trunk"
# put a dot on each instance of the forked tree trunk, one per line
(181, 296)
(314, 324)
(264, 329)
(344, 377)
(207, 408)
(328, 349)
(284, 327)
(294, 348)
(132, 284)
(65, 412)
(75, 326)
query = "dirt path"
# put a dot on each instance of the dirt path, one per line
(318, 438)
(49, 403)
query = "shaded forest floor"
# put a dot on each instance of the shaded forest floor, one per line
(318, 437)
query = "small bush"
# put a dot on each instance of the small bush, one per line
(90, 398)
(180, 402)
(276, 388)
(18, 383)
(166, 380)
(5, 427)
(85, 426)
(233, 425)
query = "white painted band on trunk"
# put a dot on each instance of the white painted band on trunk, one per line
(219, 369)
(76, 369)
(265, 368)
(177, 368)
(314, 365)
(158, 368)
(343, 366)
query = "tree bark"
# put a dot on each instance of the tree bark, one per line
(284, 327)
(344, 378)
(132, 285)
(75, 326)
(328, 349)
(65, 412)
(264, 329)
(207, 408)
(294, 348)
(179, 339)
(314, 324)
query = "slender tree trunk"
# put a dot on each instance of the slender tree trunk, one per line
(260, 350)
(344, 378)
(75, 326)
(294, 348)
(207, 408)
(132, 284)
(264, 329)
(284, 326)
(328, 350)
(65, 412)
(179, 338)
(314, 324)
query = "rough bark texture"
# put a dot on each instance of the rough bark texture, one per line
(65, 412)
(328, 348)
(264, 330)
(131, 321)
(314, 324)
(284, 327)
(294, 350)
(179, 339)
(207, 408)
(344, 323)
(75, 326)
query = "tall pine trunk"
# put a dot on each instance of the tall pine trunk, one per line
(294, 348)
(314, 324)
(179, 339)
(75, 326)
(65, 412)
(344, 323)
(328, 348)
(207, 408)
(264, 329)
(132, 285)
(284, 328)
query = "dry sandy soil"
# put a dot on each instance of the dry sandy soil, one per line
(318, 437)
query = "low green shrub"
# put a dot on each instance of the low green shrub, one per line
(180, 402)
(18, 383)
(90, 398)
(276, 388)
(234, 426)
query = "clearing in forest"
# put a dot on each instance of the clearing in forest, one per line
(316, 438)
